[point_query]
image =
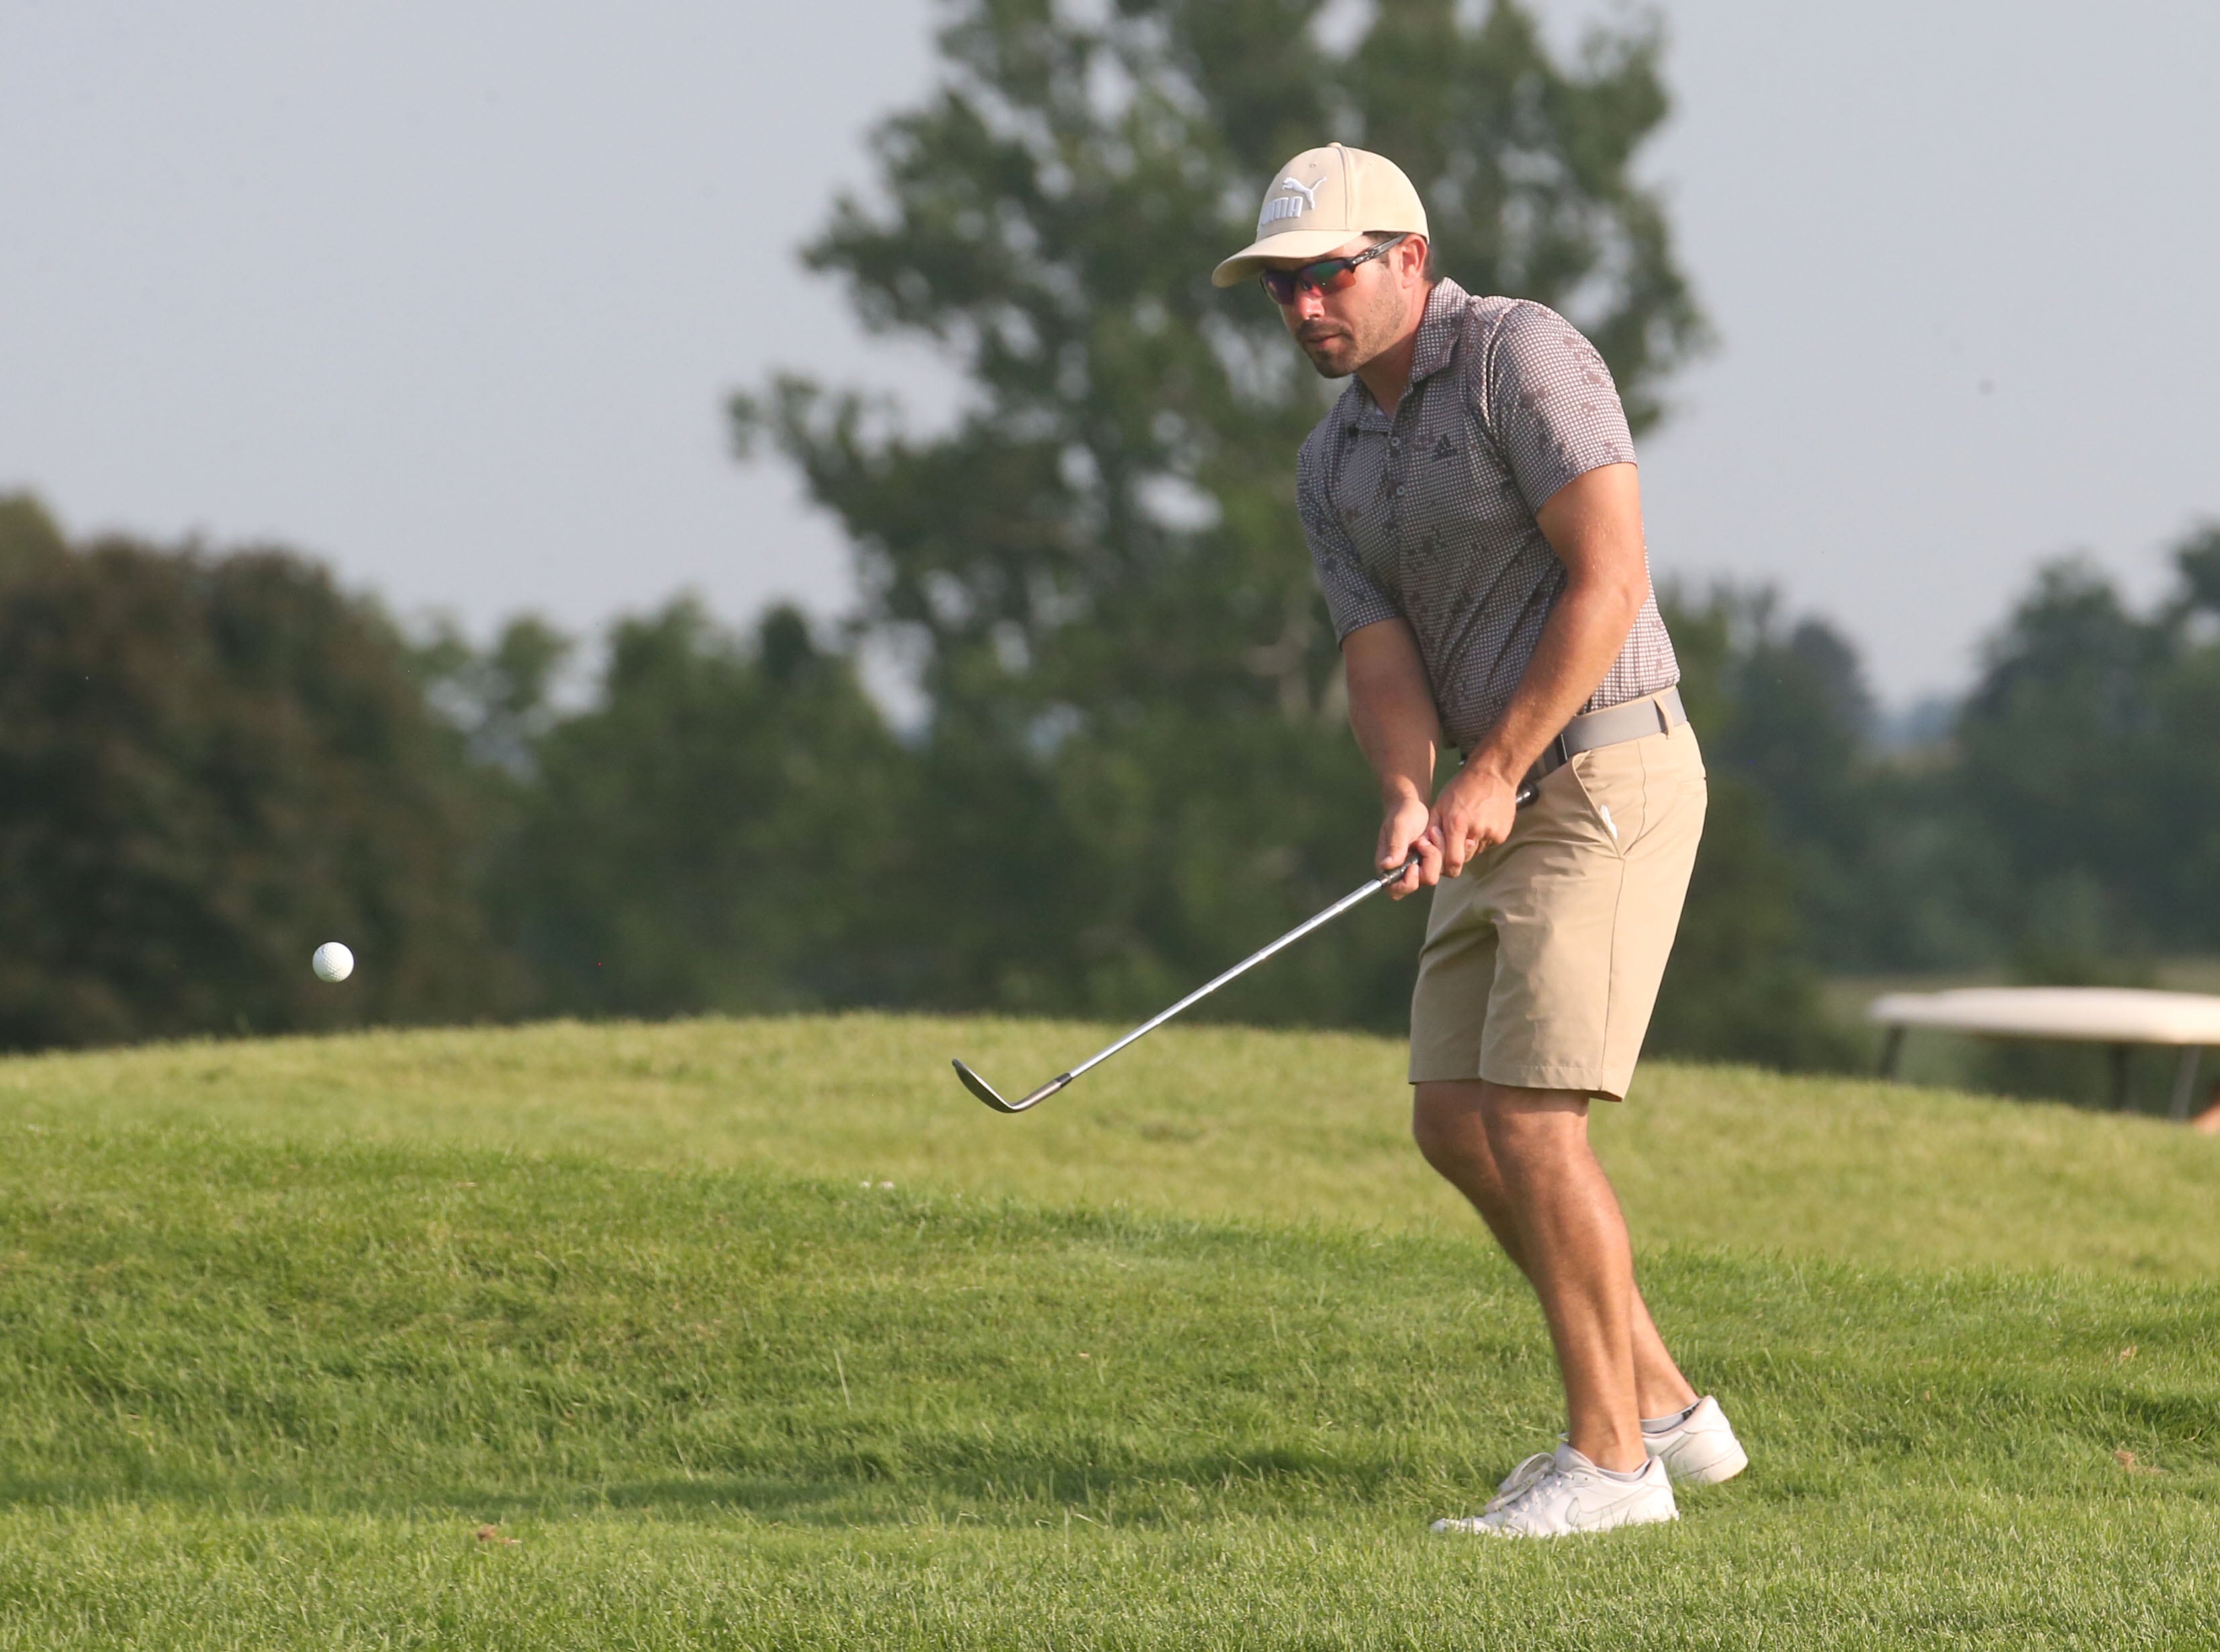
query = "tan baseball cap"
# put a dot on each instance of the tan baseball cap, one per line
(1319, 201)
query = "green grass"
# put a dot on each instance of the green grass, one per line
(1188, 1358)
(1201, 1122)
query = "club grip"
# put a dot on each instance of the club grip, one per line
(1524, 795)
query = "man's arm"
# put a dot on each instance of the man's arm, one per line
(1594, 525)
(1391, 708)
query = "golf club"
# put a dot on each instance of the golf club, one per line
(986, 1093)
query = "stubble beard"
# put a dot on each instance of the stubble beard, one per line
(1351, 344)
(1333, 356)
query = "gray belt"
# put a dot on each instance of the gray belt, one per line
(1654, 713)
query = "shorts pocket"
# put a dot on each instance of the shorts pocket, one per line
(1611, 791)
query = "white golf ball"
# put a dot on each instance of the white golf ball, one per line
(332, 962)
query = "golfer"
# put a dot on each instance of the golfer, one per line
(1475, 524)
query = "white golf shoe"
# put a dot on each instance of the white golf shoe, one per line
(1558, 1494)
(1700, 1449)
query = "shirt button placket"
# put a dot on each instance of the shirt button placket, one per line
(1394, 479)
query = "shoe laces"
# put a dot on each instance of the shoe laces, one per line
(1520, 1481)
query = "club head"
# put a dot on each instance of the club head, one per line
(980, 1087)
(985, 1092)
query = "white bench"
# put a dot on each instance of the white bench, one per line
(2115, 1017)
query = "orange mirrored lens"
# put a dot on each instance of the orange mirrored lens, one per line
(1329, 275)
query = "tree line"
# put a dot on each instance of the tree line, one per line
(1133, 764)
(210, 762)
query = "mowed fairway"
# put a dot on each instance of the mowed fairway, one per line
(1188, 1358)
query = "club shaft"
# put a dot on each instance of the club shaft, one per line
(986, 1093)
(1371, 887)
(1525, 795)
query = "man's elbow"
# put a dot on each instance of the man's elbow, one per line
(1633, 592)
(1614, 592)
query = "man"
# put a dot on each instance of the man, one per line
(1475, 524)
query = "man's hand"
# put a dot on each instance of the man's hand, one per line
(1474, 814)
(1406, 828)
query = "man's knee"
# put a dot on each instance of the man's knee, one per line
(1446, 1124)
(1533, 1127)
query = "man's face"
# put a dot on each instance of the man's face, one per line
(1342, 331)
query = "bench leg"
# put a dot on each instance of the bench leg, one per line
(2118, 1053)
(2185, 1084)
(1891, 1046)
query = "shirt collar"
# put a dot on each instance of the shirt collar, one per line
(1437, 330)
(1435, 349)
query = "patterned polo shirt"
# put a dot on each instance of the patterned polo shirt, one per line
(1429, 517)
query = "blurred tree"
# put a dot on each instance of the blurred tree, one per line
(29, 541)
(1136, 760)
(2087, 768)
(2054, 747)
(2185, 766)
(1887, 866)
(501, 700)
(1777, 717)
(2079, 818)
(207, 765)
(1795, 724)
(723, 829)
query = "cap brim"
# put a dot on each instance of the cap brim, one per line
(1290, 244)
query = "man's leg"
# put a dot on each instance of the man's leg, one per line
(1522, 1159)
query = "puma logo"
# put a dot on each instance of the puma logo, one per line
(1297, 199)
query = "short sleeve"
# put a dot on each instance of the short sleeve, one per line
(1550, 403)
(1352, 597)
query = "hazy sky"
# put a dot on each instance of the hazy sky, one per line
(452, 294)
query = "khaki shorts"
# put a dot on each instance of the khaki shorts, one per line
(1542, 959)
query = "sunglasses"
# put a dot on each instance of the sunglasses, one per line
(1327, 275)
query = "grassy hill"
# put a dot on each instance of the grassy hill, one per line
(1188, 1357)
(1203, 1122)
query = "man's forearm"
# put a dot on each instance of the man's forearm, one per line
(1586, 629)
(1391, 709)
(1401, 748)
(1594, 525)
